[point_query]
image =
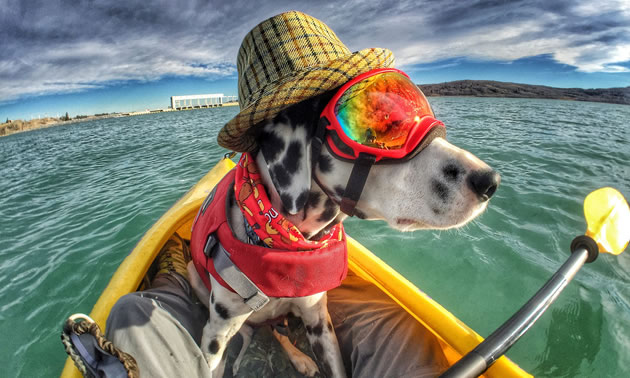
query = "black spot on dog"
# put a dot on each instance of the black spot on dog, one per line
(293, 157)
(309, 329)
(290, 116)
(318, 329)
(280, 176)
(318, 349)
(311, 203)
(214, 346)
(271, 145)
(436, 211)
(451, 171)
(282, 117)
(330, 326)
(287, 200)
(300, 201)
(325, 163)
(313, 199)
(330, 211)
(212, 297)
(440, 190)
(221, 310)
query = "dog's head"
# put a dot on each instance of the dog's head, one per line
(441, 187)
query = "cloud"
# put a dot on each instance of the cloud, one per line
(49, 47)
(588, 38)
(65, 46)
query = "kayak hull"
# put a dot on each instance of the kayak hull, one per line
(456, 338)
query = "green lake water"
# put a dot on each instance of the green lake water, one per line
(76, 198)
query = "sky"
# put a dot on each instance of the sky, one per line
(88, 57)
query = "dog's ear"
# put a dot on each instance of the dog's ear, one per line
(286, 146)
(285, 143)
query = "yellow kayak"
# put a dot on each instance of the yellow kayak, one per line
(456, 338)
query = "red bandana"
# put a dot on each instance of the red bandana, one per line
(272, 228)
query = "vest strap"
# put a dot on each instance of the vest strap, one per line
(255, 272)
(238, 281)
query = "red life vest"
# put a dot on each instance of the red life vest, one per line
(277, 273)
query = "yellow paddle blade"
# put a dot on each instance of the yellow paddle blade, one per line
(608, 220)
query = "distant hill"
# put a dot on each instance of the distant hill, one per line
(486, 88)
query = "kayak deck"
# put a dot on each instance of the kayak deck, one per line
(456, 339)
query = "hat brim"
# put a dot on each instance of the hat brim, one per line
(237, 134)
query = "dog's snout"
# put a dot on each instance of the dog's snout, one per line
(484, 183)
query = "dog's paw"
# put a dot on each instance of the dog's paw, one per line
(305, 365)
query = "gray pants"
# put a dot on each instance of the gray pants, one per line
(161, 327)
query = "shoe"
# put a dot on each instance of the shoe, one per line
(173, 257)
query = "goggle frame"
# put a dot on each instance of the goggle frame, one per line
(414, 138)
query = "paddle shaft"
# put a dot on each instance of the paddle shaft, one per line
(485, 354)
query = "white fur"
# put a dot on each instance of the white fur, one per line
(403, 191)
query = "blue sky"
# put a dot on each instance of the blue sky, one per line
(87, 57)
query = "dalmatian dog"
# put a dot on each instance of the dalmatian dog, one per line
(441, 187)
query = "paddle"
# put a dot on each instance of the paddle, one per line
(608, 220)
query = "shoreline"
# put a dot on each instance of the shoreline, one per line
(20, 126)
(450, 89)
(500, 89)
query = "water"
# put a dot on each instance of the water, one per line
(76, 198)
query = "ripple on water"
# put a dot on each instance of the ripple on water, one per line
(77, 198)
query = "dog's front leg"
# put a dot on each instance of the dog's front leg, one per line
(321, 335)
(246, 333)
(228, 312)
(301, 362)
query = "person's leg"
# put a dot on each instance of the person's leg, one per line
(377, 337)
(161, 327)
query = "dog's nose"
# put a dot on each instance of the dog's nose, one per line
(484, 183)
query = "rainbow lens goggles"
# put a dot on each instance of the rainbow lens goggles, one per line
(380, 113)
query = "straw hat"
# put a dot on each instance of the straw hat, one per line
(287, 59)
